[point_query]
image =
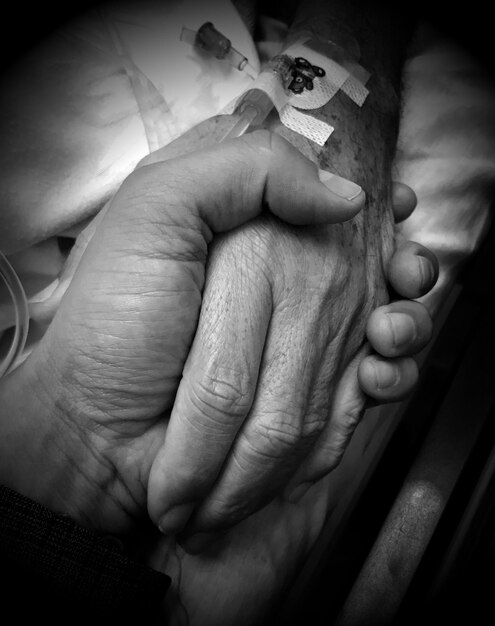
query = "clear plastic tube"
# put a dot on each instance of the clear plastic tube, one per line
(247, 117)
(255, 104)
(21, 310)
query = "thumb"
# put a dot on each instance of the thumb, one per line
(233, 181)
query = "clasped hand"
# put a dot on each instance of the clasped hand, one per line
(116, 420)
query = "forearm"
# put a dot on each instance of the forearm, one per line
(362, 146)
(361, 134)
(380, 30)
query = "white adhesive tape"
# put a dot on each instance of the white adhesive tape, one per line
(294, 108)
(324, 88)
(298, 121)
(306, 125)
(356, 91)
(350, 78)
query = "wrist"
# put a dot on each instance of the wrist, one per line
(362, 145)
(41, 456)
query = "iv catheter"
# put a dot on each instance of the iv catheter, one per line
(19, 300)
(253, 109)
(255, 105)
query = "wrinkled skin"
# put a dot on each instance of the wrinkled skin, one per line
(308, 295)
(103, 377)
(272, 380)
(297, 312)
(311, 292)
(105, 483)
(277, 413)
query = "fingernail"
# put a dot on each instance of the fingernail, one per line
(174, 520)
(403, 328)
(301, 490)
(199, 542)
(386, 375)
(426, 272)
(340, 186)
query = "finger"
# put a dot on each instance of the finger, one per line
(229, 183)
(404, 201)
(402, 328)
(216, 391)
(207, 134)
(345, 413)
(368, 375)
(387, 380)
(255, 168)
(412, 270)
(384, 380)
(279, 431)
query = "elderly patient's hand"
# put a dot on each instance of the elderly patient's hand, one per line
(236, 578)
(280, 335)
(85, 415)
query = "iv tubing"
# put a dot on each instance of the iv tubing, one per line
(19, 299)
(255, 105)
(243, 123)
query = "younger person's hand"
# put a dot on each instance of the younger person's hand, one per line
(84, 417)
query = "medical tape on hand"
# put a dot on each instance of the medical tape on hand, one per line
(298, 121)
(348, 76)
(294, 109)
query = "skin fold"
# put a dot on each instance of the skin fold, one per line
(309, 295)
(271, 379)
(270, 393)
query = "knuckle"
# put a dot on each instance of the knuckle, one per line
(314, 425)
(222, 396)
(274, 439)
(279, 434)
(223, 513)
